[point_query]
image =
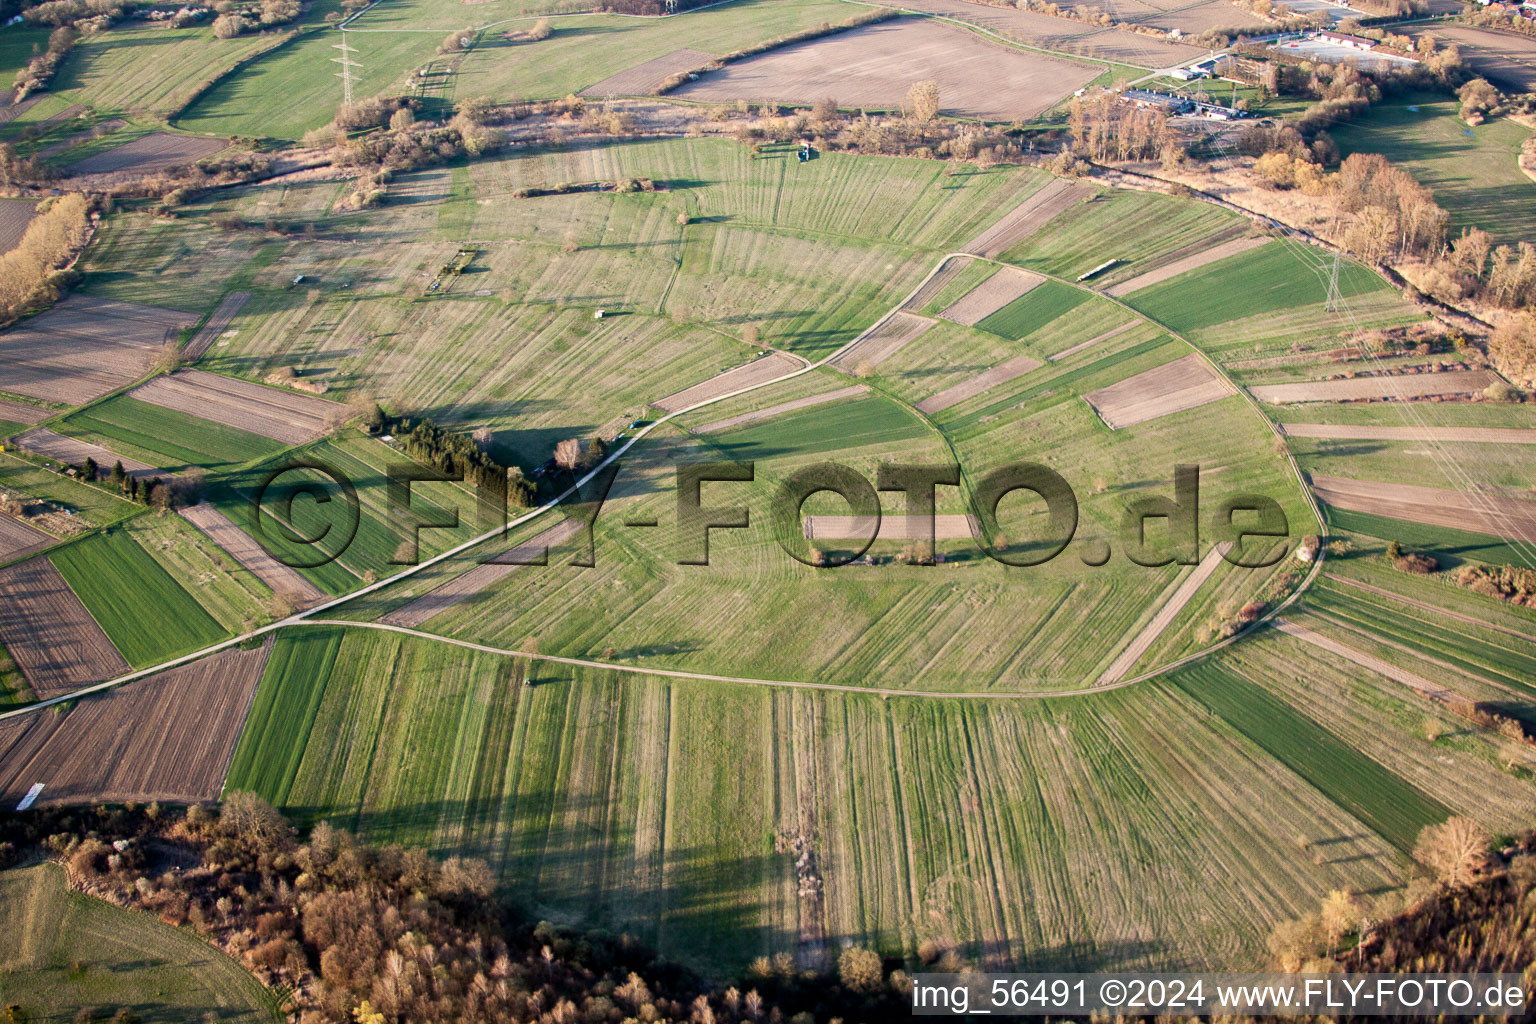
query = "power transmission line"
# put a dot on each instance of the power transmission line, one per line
(347, 64)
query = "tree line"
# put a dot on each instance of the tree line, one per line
(32, 272)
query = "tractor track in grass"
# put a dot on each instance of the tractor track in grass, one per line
(312, 615)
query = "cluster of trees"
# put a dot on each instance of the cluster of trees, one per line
(1512, 347)
(1389, 215)
(32, 272)
(234, 20)
(473, 131)
(355, 933)
(1481, 921)
(1507, 582)
(1104, 128)
(455, 454)
(1458, 856)
(1498, 17)
(1502, 275)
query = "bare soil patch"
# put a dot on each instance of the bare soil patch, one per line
(280, 415)
(990, 296)
(1507, 59)
(1160, 622)
(1064, 34)
(217, 324)
(73, 452)
(284, 580)
(1173, 387)
(1455, 435)
(1029, 216)
(1018, 366)
(15, 215)
(20, 412)
(1194, 261)
(645, 79)
(883, 342)
(1394, 386)
(85, 347)
(895, 528)
(152, 153)
(167, 737)
(466, 585)
(1075, 349)
(756, 372)
(50, 635)
(875, 66)
(732, 422)
(17, 538)
(1489, 513)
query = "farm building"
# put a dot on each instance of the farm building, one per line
(1188, 74)
(1345, 39)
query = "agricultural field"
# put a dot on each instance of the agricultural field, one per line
(1472, 169)
(15, 215)
(1262, 280)
(165, 737)
(392, 44)
(85, 347)
(166, 438)
(49, 633)
(149, 154)
(1062, 35)
(148, 615)
(1127, 227)
(874, 66)
(1504, 58)
(629, 803)
(62, 950)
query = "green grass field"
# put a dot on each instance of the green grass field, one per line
(1390, 805)
(146, 614)
(1034, 309)
(1117, 224)
(1271, 277)
(1472, 170)
(165, 438)
(63, 951)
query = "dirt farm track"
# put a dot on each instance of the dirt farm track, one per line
(875, 66)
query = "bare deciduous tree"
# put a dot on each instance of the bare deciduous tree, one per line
(924, 100)
(1455, 850)
(568, 453)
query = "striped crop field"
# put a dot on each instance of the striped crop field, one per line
(165, 438)
(1048, 834)
(1125, 226)
(147, 614)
